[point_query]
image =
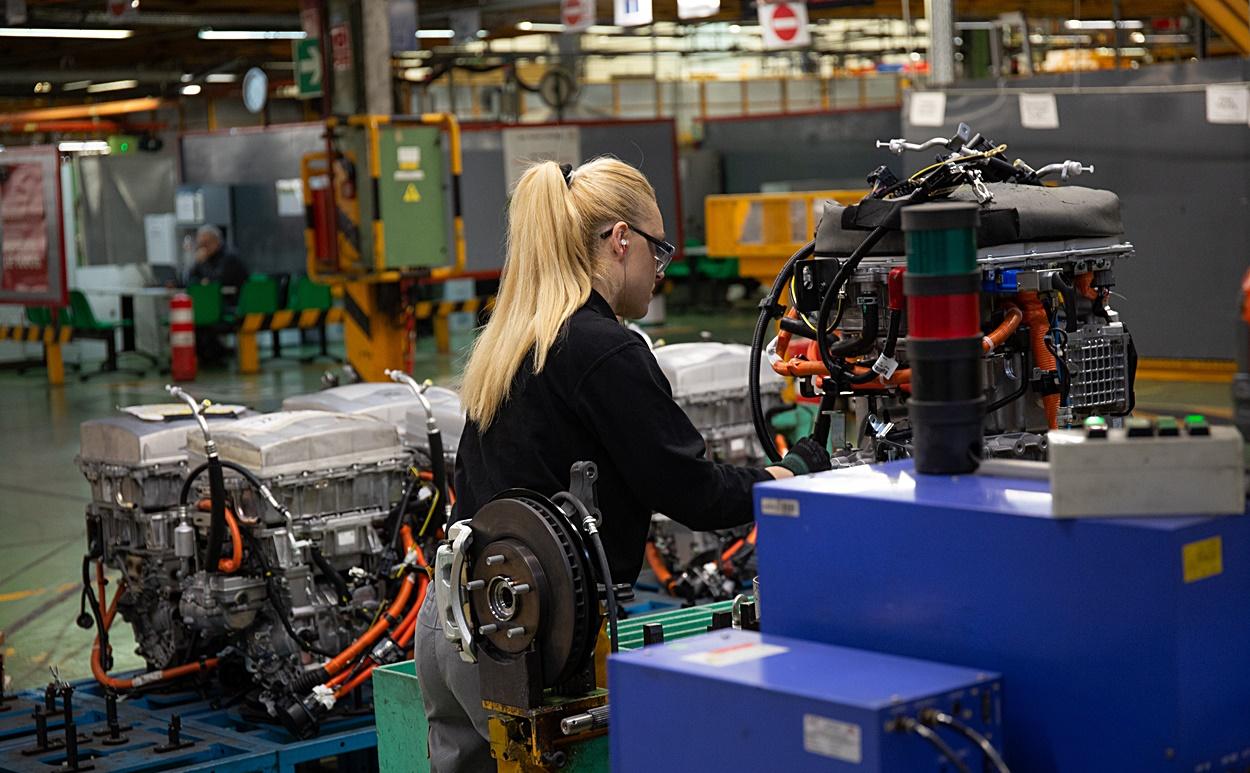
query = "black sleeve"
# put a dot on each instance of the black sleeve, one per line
(627, 402)
(233, 272)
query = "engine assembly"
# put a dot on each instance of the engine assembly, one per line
(282, 552)
(1053, 350)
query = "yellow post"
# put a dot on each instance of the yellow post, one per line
(52, 353)
(442, 332)
(373, 334)
(249, 347)
(249, 353)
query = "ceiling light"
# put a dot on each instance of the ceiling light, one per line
(531, 26)
(43, 87)
(210, 34)
(220, 77)
(605, 29)
(734, 29)
(191, 90)
(88, 146)
(111, 86)
(1102, 24)
(44, 32)
(423, 34)
(77, 85)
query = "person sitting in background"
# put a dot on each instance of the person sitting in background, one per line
(215, 262)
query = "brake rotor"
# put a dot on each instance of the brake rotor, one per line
(531, 583)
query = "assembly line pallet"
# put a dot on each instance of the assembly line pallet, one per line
(221, 740)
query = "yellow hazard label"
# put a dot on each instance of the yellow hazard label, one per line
(1203, 559)
(410, 194)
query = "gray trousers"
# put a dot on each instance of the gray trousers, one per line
(459, 737)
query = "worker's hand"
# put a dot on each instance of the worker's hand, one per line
(806, 456)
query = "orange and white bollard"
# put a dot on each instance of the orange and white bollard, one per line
(182, 366)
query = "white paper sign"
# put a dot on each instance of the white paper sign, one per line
(784, 25)
(1039, 111)
(525, 146)
(1228, 103)
(927, 108)
(830, 738)
(697, 9)
(577, 15)
(632, 13)
(290, 197)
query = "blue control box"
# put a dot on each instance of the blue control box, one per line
(736, 700)
(1124, 643)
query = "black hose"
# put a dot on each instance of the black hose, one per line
(831, 292)
(217, 523)
(396, 520)
(768, 312)
(273, 596)
(824, 419)
(867, 339)
(332, 574)
(438, 466)
(608, 587)
(987, 748)
(198, 471)
(106, 654)
(891, 337)
(909, 725)
(601, 556)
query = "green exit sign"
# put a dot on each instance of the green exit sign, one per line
(307, 56)
(121, 144)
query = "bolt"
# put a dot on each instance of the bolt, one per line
(518, 631)
(493, 560)
(475, 584)
(488, 629)
(521, 588)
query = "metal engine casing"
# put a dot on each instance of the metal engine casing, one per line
(709, 382)
(394, 404)
(338, 474)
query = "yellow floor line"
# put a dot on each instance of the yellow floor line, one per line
(18, 595)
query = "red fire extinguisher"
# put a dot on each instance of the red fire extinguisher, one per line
(182, 366)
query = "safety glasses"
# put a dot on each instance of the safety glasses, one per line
(661, 250)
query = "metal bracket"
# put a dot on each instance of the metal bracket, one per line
(449, 566)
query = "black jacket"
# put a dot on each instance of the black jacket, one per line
(602, 397)
(222, 266)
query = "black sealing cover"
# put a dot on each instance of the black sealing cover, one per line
(1018, 213)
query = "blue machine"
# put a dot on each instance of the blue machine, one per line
(736, 700)
(1122, 643)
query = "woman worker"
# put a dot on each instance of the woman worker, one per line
(554, 379)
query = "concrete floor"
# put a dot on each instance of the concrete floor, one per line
(43, 495)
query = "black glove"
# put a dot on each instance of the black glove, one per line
(806, 456)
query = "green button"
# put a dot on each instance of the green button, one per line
(1139, 428)
(1167, 426)
(1095, 427)
(1196, 425)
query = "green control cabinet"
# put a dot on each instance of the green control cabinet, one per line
(412, 188)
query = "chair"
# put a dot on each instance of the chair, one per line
(206, 303)
(307, 295)
(87, 326)
(258, 295)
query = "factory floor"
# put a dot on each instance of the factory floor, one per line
(43, 495)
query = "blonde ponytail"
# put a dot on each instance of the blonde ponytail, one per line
(549, 270)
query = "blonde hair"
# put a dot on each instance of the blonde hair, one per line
(553, 237)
